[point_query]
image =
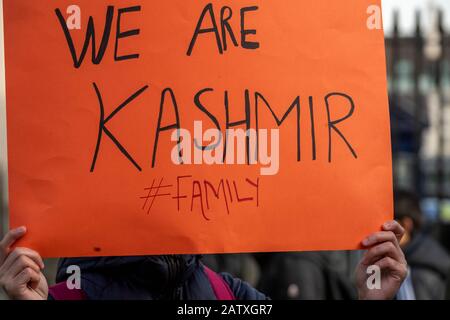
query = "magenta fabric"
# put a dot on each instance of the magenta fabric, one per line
(220, 287)
(60, 291)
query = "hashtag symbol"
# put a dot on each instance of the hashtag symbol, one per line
(154, 192)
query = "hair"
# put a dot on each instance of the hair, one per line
(407, 205)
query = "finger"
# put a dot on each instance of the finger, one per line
(11, 237)
(378, 252)
(394, 227)
(394, 267)
(380, 237)
(21, 263)
(28, 277)
(18, 252)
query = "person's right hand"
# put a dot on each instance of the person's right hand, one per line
(20, 270)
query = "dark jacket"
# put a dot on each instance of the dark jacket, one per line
(311, 276)
(150, 278)
(430, 266)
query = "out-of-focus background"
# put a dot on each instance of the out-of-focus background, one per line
(418, 66)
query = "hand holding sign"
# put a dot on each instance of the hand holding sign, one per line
(20, 269)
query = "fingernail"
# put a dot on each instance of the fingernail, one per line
(366, 242)
(21, 229)
(387, 225)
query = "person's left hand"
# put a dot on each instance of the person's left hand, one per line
(383, 251)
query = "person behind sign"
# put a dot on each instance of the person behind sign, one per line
(174, 277)
(429, 263)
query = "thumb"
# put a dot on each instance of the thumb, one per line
(10, 238)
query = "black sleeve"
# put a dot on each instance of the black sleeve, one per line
(242, 290)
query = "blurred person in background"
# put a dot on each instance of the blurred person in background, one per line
(326, 275)
(428, 261)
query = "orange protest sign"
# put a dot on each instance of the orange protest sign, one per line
(173, 127)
